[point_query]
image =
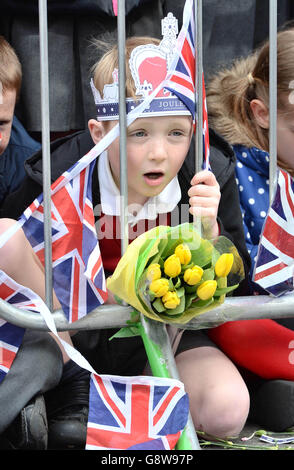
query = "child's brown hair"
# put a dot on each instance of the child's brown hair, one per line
(103, 69)
(229, 93)
(10, 68)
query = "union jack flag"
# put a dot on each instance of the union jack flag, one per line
(181, 75)
(135, 413)
(78, 276)
(11, 336)
(275, 257)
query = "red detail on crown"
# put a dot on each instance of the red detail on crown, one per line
(153, 71)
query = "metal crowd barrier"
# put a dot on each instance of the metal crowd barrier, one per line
(116, 316)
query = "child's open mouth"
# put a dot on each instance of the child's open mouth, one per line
(153, 178)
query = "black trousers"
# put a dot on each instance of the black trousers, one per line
(37, 368)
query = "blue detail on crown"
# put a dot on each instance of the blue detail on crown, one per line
(159, 106)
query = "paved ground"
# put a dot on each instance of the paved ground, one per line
(250, 440)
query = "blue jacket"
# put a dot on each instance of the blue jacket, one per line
(252, 173)
(21, 146)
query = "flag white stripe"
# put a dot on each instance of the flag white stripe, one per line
(269, 265)
(8, 346)
(276, 251)
(286, 208)
(276, 278)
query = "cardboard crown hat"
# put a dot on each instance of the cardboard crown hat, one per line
(149, 65)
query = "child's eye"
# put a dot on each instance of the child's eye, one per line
(139, 133)
(176, 133)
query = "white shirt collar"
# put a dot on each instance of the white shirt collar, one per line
(165, 202)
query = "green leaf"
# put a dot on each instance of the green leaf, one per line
(191, 289)
(150, 250)
(171, 246)
(158, 305)
(208, 275)
(178, 310)
(151, 295)
(177, 283)
(225, 290)
(189, 299)
(202, 303)
(161, 263)
(126, 332)
(180, 292)
(170, 284)
(186, 266)
(215, 256)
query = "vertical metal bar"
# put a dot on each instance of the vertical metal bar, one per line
(273, 95)
(44, 72)
(198, 99)
(159, 339)
(121, 30)
(199, 90)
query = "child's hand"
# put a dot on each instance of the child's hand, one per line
(204, 200)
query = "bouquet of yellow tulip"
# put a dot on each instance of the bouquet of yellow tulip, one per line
(171, 274)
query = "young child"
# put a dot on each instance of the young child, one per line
(41, 365)
(238, 104)
(15, 143)
(161, 183)
(38, 364)
(238, 107)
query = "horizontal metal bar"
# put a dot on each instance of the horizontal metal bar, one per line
(107, 316)
(116, 316)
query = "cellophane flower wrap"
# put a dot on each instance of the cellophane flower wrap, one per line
(171, 274)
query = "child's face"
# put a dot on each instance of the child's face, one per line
(7, 104)
(285, 139)
(156, 150)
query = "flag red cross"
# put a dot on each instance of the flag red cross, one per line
(135, 424)
(71, 221)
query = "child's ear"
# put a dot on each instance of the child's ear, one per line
(96, 130)
(260, 112)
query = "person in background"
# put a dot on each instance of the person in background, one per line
(38, 365)
(238, 108)
(16, 145)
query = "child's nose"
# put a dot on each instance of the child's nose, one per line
(158, 150)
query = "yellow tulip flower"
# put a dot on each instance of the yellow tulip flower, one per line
(172, 266)
(159, 287)
(206, 290)
(224, 264)
(183, 253)
(171, 300)
(153, 272)
(193, 275)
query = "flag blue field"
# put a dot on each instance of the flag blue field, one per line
(78, 275)
(275, 257)
(136, 413)
(11, 336)
(181, 77)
